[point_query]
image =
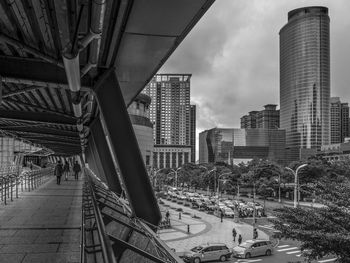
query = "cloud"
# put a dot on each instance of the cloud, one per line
(233, 54)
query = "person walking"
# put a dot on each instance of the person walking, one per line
(66, 171)
(234, 234)
(239, 239)
(221, 215)
(76, 170)
(58, 171)
(255, 234)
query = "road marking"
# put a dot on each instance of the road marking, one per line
(248, 260)
(293, 252)
(286, 249)
(327, 260)
(283, 246)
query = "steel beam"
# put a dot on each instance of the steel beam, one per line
(125, 148)
(100, 172)
(37, 117)
(102, 148)
(30, 71)
(41, 130)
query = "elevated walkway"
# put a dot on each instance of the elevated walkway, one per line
(42, 225)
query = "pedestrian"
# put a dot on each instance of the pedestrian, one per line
(221, 215)
(255, 234)
(58, 171)
(234, 234)
(239, 239)
(76, 170)
(167, 217)
(66, 170)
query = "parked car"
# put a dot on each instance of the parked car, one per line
(252, 248)
(208, 252)
(228, 212)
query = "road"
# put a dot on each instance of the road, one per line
(286, 251)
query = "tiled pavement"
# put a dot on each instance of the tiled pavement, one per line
(43, 225)
(206, 229)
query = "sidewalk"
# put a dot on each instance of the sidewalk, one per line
(206, 229)
(43, 225)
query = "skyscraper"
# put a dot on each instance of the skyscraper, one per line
(339, 120)
(170, 113)
(268, 118)
(193, 133)
(305, 79)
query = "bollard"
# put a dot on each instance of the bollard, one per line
(180, 215)
(188, 229)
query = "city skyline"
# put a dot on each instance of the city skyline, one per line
(229, 62)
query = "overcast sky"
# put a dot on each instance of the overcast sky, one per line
(233, 55)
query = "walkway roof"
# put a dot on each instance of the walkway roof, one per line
(134, 36)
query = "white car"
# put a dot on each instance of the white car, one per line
(228, 212)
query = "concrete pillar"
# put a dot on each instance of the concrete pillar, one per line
(116, 121)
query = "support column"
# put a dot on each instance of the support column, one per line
(100, 172)
(115, 117)
(90, 158)
(110, 171)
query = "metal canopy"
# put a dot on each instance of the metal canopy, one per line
(134, 36)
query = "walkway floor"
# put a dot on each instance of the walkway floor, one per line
(207, 228)
(43, 225)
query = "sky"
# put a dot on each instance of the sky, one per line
(233, 56)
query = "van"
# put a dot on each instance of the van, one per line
(253, 248)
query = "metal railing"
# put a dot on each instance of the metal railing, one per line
(110, 232)
(14, 178)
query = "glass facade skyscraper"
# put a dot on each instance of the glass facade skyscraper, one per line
(305, 79)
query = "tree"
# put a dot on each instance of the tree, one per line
(322, 231)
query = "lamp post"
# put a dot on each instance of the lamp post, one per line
(296, 188)
(279, 188)
(175, 172)
(219, 181)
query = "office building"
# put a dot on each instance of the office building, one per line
(339, 120)
(143, 128)
(170, 113)
(193, 133)
(305, 79)
(268, 118)
(233, 145)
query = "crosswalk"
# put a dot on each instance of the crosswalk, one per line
(248, 260)
(290, 250)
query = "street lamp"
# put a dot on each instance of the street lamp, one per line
(296, 188)
(175, 171)
(219, 181)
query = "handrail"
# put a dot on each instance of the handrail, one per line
(106, 246)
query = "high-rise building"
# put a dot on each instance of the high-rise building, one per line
(193, 133)
(233, 146)
(170, 113)
(339, 120)
(249, 121)
(345, 132)
(305, 79)
(268, 118)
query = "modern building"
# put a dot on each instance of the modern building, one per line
(268, 118)
(143, 128)
(193, 133)
(305, 79)
(339, 120)
(233, 145)
(335, 152)
(170, 112)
